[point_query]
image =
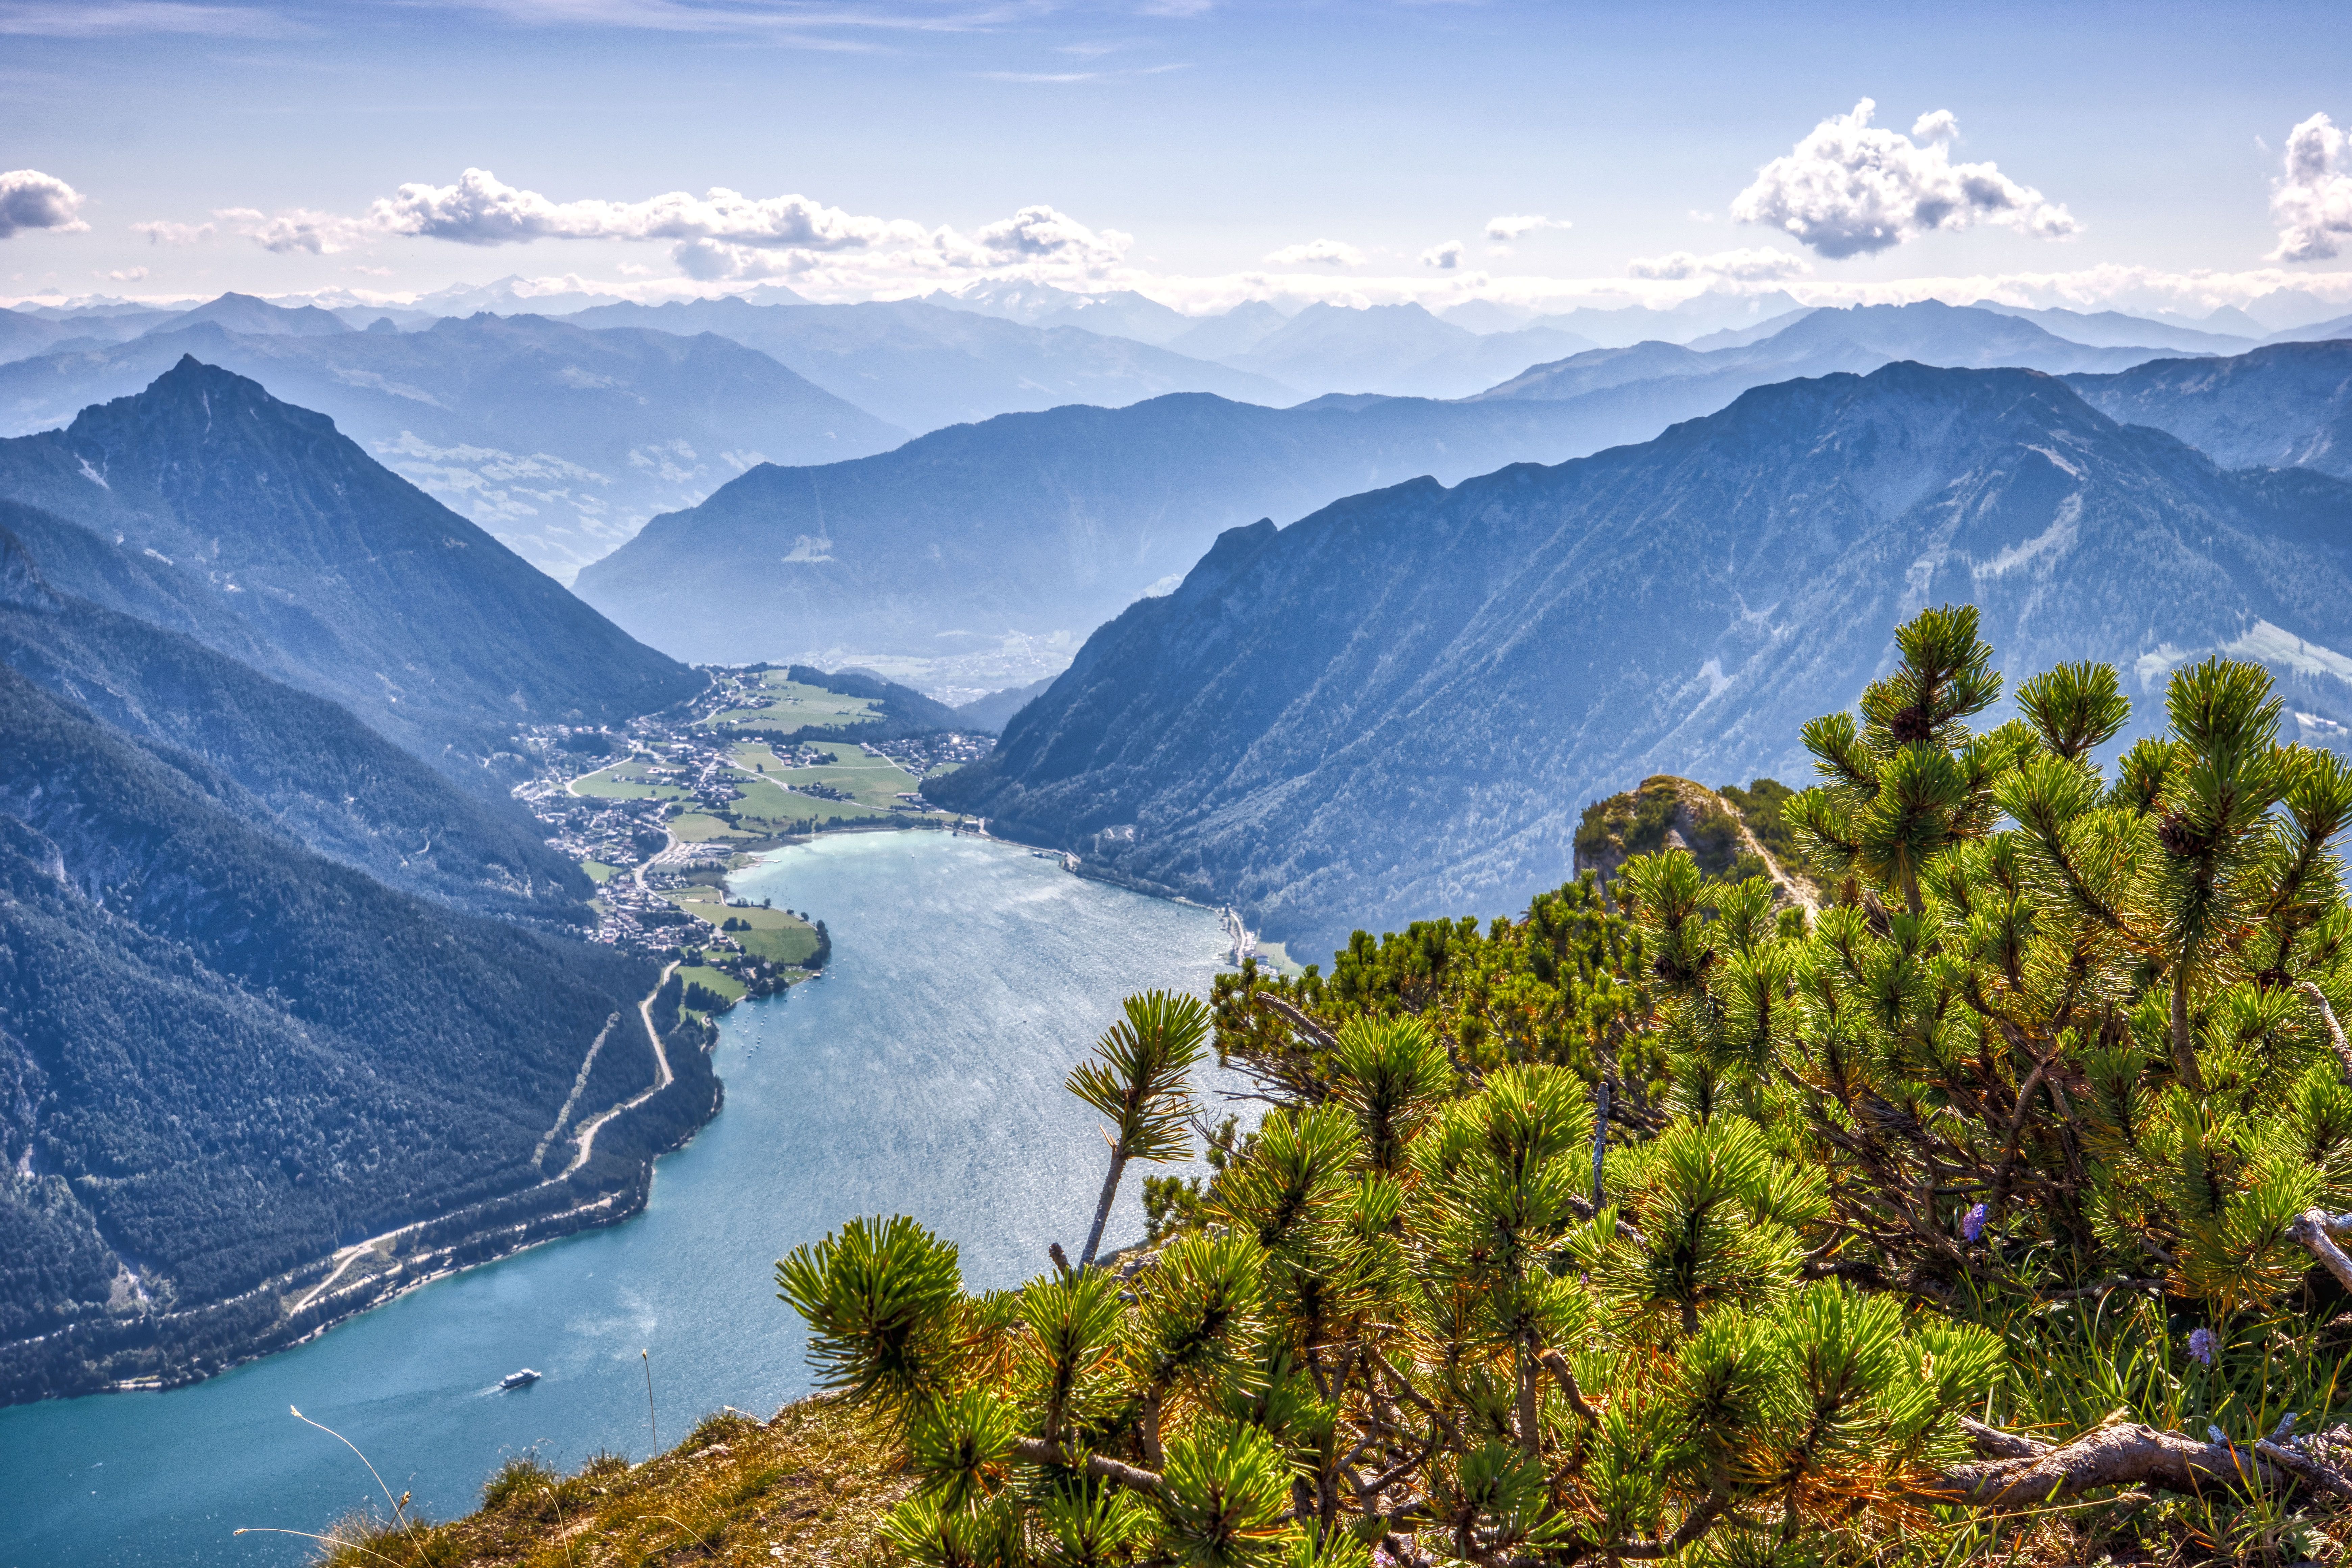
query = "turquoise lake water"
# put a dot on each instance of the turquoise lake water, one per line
(922, 1075)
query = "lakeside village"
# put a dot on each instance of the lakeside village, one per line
(658, 812)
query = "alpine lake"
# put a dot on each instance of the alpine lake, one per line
(921, 1074)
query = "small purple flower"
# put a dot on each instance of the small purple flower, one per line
(1972, 1223)
(2201, 1346)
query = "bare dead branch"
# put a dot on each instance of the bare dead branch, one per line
(2335, 1030)
(2316, 1231)
(1995, 1444)
(1035, 1451)
(1296, 1018)
(2116, 1453)
(1557, 1364)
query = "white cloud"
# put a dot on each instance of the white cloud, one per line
(1509, 226)
(162, 232)
(1760, 265)
(30, 199)
(123, 274)
(299, 229)
(725, 235)
(1850, 188)
(98, 20)
(482, 209)
(2312, 202)
(1317, 252)
(1937, 125)
(1444, 258)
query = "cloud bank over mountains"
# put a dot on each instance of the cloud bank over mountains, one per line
(1849, 190)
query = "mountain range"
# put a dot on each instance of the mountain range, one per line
(1855, 339)
(921, 366)
(1398, 349)
(558, 441)
(1037, 524)
(1031, 524)
(1399, 706)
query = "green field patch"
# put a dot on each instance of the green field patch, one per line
(791, 705)
(627, 780)
(775, 934)
(598, 872)
(871, 782)
(717, 980)
(778, 935)
(695, 827)
(868, 780)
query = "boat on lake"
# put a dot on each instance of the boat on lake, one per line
(522, 1379)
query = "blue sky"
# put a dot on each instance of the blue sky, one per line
(1176, 146)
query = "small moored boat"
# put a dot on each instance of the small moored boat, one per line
(522, 1379)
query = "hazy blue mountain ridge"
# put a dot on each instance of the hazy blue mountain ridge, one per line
(1857, 338)
(558, 441)
(2286, 405)
(1398, 707)
(1036, 522)
(923, 367)
(996, 710)
(245, 313)
(1398, 350)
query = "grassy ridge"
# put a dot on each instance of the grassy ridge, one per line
(810, 1486)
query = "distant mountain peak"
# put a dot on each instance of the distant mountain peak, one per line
(246, 313)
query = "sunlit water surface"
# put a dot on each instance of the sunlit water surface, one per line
(922, 1075)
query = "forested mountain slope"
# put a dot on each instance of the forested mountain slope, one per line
(1399, 706)
(922, 367)
(282, 543)
(558, 440)
(281, 757)
(225, 1056)
(2287, 405)
(1036, 522)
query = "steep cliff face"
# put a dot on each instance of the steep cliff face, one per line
(1401, 706)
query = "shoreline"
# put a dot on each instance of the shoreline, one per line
(200, 1342)
(94, 1355)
